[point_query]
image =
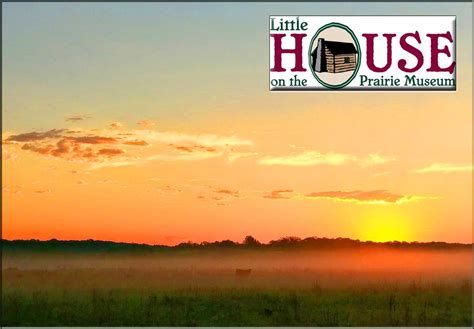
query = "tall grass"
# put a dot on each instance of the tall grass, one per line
(201, 289)
(238, 307)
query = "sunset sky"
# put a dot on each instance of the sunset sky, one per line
(153, 123)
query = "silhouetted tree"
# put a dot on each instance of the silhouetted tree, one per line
(286, 241)
(250, 241)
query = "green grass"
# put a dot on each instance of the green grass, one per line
(201, 289)
(409, 306)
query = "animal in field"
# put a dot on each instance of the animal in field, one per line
(242, 273)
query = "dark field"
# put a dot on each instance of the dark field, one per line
(199, 288)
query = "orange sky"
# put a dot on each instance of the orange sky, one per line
(86, 155)
(361, 179)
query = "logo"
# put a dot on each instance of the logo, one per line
(362, 53)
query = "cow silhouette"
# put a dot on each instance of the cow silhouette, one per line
(242, 273)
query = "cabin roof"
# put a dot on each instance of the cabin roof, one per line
(338, 48)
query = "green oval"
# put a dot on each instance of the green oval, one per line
(348, 30)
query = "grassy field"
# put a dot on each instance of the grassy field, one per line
(202, 290)
(239, 307)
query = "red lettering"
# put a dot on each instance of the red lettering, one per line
(370, 51)
(435, 51)
(402, 64)
(298, 51)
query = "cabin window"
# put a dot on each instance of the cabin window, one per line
(347, 60)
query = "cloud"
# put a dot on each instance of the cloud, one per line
(229, 192)
(36, 136)
(360, 197)
(63, 146)
(137, 143)
(313, 158)
(105, 181)
(194, 156)
(110, 152)
(206, 148)
(93, 140)
(84, 145)
(14, 189)
(177, 138)
(114, 164)
(146, 123)
(184, 148)
(197, 156)
(445, 168)
(374, 159)
(77, 118)
(234, 156)
(308, 158)
(42, 191)
(116, 125)
(364, 197)
(193, 148)
(278, 194)
(72, 146)
(37, 148)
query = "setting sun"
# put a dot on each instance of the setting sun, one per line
(386, 226)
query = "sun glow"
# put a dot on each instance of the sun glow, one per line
(386, 227)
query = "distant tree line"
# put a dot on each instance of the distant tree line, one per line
(249, 243)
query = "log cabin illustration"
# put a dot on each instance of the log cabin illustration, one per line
(334, 56)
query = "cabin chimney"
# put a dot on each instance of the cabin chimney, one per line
(320, 60)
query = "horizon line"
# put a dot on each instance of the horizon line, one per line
(241, 243)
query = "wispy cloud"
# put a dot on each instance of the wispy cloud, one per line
(365, 197)
(136, 143)
(375, 197)
(445, 168)
(137, 161)
(313, 158)
(374, 159)
(110, 152)
(183, 156)
(234, 156)
(308, 158)
(146, 123)
(93, 140)
(77, 118)
(36, 136)
(37, 148)
(177, 138)
(47, 191)
(278, 194)
(114, 164)
(116, 125)
(228, 192)
(98, 145)
(193, 148)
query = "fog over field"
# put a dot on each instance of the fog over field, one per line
(96, 284)
(288, 268)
